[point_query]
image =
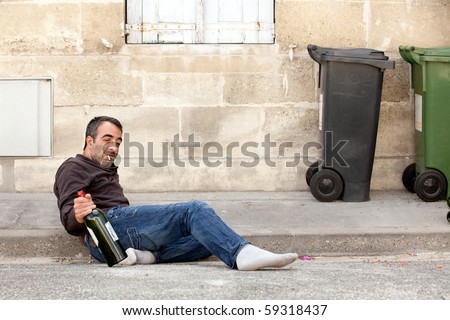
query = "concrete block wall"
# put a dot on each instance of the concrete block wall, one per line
(252, 114)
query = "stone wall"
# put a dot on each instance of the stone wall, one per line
(252, 113)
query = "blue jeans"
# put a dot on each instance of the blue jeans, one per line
(179, 232)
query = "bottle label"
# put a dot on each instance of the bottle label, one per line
(91, 232)
(111, 231)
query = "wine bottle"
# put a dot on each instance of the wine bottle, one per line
(104, 235)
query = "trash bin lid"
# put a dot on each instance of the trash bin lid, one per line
(441, 52)
(358, 53)
(416, 55)
(351, 55)
(361, 53)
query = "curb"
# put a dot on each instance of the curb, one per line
(55, 243)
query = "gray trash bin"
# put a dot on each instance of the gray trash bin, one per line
(350, 83)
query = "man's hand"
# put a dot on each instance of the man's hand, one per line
(82, 206)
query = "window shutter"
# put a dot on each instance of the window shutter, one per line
(134, 20)
(161, 21)
(200, 21)
(239, 21)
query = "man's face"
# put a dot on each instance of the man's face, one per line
(105, 147)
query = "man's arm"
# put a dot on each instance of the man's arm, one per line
(71, 178)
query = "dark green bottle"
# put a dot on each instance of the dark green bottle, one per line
(104, 236)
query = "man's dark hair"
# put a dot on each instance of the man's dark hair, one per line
(91, 128)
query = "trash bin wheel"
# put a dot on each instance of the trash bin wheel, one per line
(312, 170)
(448, 217)
(430, 185)
(409, 177)
(326, 185)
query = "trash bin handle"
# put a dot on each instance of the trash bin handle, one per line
(405, 52)
(320, 74)
(418, 56)
(312, 50)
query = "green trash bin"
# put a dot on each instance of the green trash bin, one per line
(430, 78)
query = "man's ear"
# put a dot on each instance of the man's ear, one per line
(89, 141)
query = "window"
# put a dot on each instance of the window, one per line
(200, 21)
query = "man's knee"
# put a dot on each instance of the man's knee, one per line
(199, 205)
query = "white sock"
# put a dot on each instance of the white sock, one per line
(144, 257)
(252, 258)
(138, 257)
(130, 259)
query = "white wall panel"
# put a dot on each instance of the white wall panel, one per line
(26, 117)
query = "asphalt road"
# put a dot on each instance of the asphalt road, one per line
(411, 276)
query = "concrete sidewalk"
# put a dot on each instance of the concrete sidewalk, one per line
(392, 222)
